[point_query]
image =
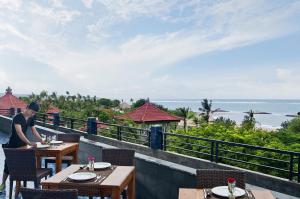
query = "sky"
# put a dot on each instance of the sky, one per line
(161, 49)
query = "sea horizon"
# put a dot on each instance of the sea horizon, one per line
(278, 109)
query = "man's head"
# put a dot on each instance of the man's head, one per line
(32, 108)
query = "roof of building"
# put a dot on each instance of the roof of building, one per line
(53, 109)
(149, 113)
(8, 101)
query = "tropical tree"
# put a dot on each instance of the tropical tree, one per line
(184, 113)
(206, 109)
(139, 103)
(249, 120)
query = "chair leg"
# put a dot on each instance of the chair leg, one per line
(25, 183)
(36, 184)
(124, 194)
(11, 184)
(46, 163)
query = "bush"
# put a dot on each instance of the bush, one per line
(294, 125)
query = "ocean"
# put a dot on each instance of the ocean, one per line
(278, 109)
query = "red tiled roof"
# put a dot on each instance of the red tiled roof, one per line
(10, 101)
(53, 109)
(149, 113)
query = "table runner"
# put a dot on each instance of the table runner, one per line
(213, 196)
(87, 187)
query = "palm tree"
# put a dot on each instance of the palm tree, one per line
(249, 120)
(206, 109)
(183, 112)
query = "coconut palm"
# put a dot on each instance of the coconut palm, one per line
(249, 120)
(184, 113)
(206, 109)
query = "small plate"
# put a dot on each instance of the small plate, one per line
(223, 191)
(101, 165)
(82, 176)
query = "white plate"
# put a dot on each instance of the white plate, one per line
(82, 176)
(101, 165)
(223, 191)
(42, 146)
(56, 142)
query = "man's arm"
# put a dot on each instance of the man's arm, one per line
(22, 135)
(36, 134)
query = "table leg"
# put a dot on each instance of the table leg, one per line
(38, 162)
(115, 194)
(58, 162)
(75, 156)
(131, 187)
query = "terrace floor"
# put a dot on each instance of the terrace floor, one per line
(4, 138)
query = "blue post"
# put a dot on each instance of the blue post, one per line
(156, 137)
(19, 110)
(12, 112)
(92, 126)
(56, 119)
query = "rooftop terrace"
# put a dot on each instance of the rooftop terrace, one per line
(159, 174)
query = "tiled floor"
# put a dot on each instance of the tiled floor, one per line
(4, 195)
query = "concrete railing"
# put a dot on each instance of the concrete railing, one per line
(160, 174)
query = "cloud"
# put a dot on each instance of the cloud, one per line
(60, 16)
(88, 3)
(13, 5)
(9, 29)
(105, 52)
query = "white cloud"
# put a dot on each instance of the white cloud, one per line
(59, 16)
(13, 5)
(9, 29)
(88, 3)
(128, 66)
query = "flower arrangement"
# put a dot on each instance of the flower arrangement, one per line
(231, 186)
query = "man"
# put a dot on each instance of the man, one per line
(17, 138)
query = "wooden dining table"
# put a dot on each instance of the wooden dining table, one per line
(114, 182)
(57, 151)
(185, 193)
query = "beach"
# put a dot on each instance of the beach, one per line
(275, 111)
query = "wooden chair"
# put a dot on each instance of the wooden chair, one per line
(66, 137)
(120, 157)
(22, 167)
(49, 194)
(209, 178)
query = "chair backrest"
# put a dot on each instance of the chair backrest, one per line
(49, 194)
(68, 137)
(21, 163)
(120, 157)
(209, 178)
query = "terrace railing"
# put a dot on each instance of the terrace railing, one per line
(276, 162)
(115, 131)
(285, 164)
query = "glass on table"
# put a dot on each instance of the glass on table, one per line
(231, 187)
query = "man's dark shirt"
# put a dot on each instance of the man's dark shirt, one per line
(14, 140)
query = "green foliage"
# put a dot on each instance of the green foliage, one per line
(294, 125)
(226, 130)
(206, 109)
(249, 121)
(139, 103)
(184, 113)
(226, 122)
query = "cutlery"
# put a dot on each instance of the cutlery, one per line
(205, 193)
(249, 194)
(83, 167)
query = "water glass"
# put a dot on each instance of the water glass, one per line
(231, 187)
